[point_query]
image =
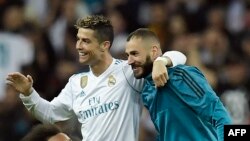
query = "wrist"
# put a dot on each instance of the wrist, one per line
(29, 92)
(165, 60)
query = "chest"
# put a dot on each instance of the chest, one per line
(95, 97)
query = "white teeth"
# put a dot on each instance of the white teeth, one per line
(82, 54)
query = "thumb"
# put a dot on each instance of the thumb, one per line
(30, 78)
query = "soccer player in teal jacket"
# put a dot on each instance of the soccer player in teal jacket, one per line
(186, 108)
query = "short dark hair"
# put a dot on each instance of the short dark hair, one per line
(42, 132)
(143, 33)
(102, 26)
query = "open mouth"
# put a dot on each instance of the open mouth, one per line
(82, 54)
(135, 68)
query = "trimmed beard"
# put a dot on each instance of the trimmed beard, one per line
(147, 67)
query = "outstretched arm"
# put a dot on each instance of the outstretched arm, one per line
(58, 109)
(169, 59)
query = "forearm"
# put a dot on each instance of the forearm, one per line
(42, 109)
(173, 58)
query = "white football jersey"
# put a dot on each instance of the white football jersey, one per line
(108, 106)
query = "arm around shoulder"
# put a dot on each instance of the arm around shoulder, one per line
(176, 58)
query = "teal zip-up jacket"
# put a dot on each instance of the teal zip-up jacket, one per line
(186, 108)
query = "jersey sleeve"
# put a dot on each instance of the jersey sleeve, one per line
(135, 84)
(176, 57)
(194, 90)
(59, 109)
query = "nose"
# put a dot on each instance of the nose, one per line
(130, 59)
(78, 45)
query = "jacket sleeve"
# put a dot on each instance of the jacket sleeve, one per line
(192, 87)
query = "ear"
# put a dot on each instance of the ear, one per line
(105, 45)
(155, 50)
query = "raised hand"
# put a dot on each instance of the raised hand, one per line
(21, 83)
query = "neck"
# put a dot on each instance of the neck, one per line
(102, 65)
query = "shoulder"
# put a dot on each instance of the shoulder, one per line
(184, 67)
(119, 61)
(77, 76)
(184, 70)
(121, 64)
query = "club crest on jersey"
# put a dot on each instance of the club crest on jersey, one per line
(84, 81)
(111, 81)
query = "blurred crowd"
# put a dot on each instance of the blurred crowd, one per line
(38, 37)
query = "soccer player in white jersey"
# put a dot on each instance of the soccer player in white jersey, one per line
(106, 99)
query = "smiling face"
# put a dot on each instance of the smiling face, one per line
(88, 47)
(94, 39)
(139, 57)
